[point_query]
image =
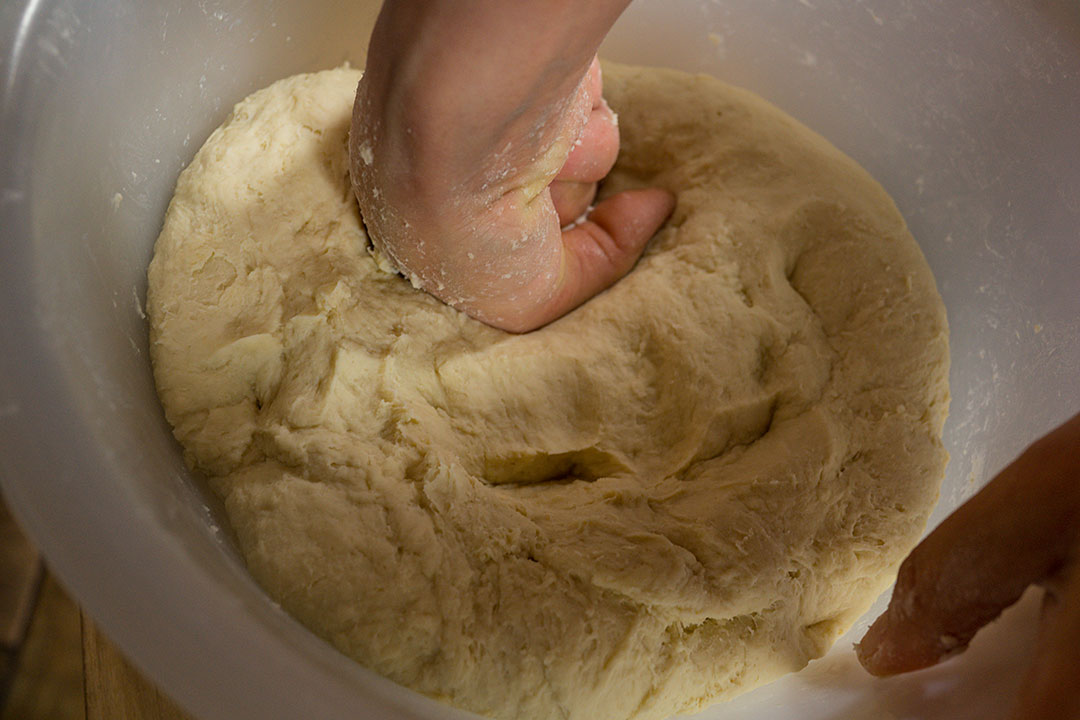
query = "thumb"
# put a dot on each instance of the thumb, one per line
(1015, 531)
(606, 245)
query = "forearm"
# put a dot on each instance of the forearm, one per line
(459, 79)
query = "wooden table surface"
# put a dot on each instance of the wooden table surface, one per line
(54, 662)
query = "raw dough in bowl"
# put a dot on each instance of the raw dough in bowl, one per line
(685, 488)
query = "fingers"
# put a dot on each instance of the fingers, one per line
(596, 148)
(592, 155)
(1017, 530)
(1050, 691)
(571, 199)
(605, 247)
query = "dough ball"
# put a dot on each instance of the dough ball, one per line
(683, 489)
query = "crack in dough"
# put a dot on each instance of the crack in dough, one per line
(688, 486)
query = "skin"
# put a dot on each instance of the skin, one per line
(1022, 528)
(479, 133)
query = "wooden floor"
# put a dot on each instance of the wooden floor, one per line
(54, 663)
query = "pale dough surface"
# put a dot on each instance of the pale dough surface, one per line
(681, 490)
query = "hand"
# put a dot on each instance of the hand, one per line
(1022, 528)
(479, 132)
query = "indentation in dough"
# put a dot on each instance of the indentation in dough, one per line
(526, 468)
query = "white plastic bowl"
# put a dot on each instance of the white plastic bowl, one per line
(968, 116)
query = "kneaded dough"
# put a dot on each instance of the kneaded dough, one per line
(683, 489)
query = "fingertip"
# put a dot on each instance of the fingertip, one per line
(866, 650)
(875, 652)
(880, 655)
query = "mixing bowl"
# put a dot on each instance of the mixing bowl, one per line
(967, 115)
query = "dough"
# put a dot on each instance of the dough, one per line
(683, 489)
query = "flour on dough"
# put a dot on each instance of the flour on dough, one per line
(683, 489)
